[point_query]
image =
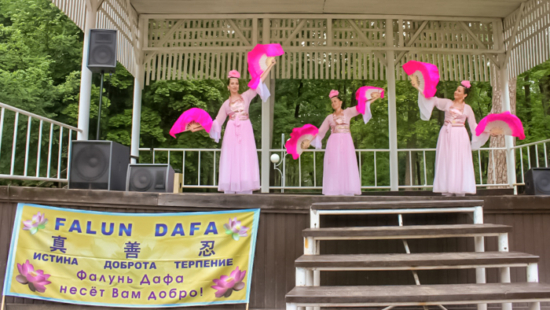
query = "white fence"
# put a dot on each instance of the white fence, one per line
(44, 140)
(199, 166)
(530, 156)
(48, 140)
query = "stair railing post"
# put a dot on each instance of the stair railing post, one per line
(504, 271)
(300, 281)
(480, 247)
(314, 276)
(533, 277)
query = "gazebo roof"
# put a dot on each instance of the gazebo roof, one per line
(323, 39)
(464, 8)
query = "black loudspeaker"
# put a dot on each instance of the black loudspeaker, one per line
(102, 51)
(150, 178)
(537, 181)
(98, 165)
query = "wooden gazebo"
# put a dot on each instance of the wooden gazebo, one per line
(478, 40)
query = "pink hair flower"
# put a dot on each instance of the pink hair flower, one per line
(234, 74)
(333, 93)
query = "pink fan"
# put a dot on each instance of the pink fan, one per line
(297, 137)
(189, 119)
(364, 95)
(258, 59)
(504, 123)
(426, 74)
(497, 124)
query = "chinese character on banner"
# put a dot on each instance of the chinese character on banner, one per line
(58, 244)
(207, 248)
(132, 249)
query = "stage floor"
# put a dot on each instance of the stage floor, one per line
(280, 242)
(497, 200)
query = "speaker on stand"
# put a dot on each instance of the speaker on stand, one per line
(101, 59)
(157, 178)
(98, 165)
(537, 181)
(102, 51)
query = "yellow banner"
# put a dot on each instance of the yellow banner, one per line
(131, 259)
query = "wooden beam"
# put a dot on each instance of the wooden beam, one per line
(254, 31)
(476, 39)
(330, 33)
(494, 60)
(322, 16)
(400, 32)
(417, 33)
(295, 32)
(94, 4)
(336, 49)
(238, 32)
(360, 33)
(519, 15)
(170, 32)
(412, 40)
(138, 46)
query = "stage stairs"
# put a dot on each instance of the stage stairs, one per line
(308, 292)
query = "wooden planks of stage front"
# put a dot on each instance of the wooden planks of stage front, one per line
(285, 216)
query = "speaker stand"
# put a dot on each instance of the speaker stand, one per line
(99, 111)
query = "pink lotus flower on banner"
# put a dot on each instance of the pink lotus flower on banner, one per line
(38, 222)
(235, 229)
(225, 285)
(36, 279)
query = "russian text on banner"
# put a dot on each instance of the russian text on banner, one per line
(130, 259)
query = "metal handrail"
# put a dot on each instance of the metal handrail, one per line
(531, 144)
(39, 117)
(58, 174)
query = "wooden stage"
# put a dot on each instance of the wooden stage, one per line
(280, 243)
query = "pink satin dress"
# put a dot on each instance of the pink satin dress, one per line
(340, 172)
(454, 168)
(239, 169)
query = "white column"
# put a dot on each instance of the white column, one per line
(266, 120)
(136, 114)
(392, 110)
(85, 78)
(509, 140)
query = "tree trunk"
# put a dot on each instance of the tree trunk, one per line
(497, 170)
(527, 90)
(297, 108)
(544, 86)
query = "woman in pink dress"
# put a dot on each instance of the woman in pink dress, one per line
(239, 172)
(454, 168)
(340, 174)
